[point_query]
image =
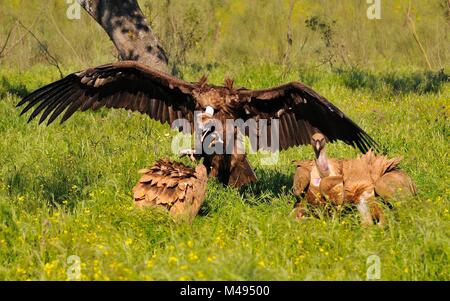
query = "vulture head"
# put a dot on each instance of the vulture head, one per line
(208, 134)
(318, 141)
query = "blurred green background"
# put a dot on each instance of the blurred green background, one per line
(207, 33)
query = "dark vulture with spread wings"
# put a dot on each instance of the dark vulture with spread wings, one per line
(133, 86)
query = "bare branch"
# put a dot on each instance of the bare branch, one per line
(50, 58)
(8, 36)
(19, 40)
(65, 40)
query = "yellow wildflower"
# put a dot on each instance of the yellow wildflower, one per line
(211, 258)
(49, 267)
(192, 256)
(261, 264)
(149, 264)
(173, 260)
(200, 275)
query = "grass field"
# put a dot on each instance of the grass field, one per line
(66, 190)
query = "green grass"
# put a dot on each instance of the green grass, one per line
(66, 190)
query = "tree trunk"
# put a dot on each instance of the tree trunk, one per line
(128, 28)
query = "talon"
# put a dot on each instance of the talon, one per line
(189, 153)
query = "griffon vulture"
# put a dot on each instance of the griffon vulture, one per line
(133, 86)
(357, 181)
(178, 188)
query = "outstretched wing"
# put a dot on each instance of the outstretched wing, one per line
(302, 112)
(128, 85)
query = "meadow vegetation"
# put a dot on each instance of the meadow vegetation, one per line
(66, 190)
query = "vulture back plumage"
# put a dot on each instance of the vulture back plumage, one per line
(389, 180)
(174, 186)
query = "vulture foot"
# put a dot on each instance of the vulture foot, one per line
(189, 153)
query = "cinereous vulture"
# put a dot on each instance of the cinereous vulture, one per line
(133, 86)
(355, 181)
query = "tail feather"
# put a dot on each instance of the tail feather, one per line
(380, 165)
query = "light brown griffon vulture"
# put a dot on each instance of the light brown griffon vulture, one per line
(136, 87)
(356, 181)
(174, 186)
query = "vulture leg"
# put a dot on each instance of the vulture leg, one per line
(299, 210)
(302, 178)
(377, 212)
(395, 184)
(369, 209)
(233, 170)
(364, 212)
(241, 173)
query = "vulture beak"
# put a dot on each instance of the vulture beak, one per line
(317, 146)
(207, 130)
(318, 143)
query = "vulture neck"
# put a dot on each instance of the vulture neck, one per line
(322, 163)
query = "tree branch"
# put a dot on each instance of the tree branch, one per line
(128, 29)
(7, 40)
(19, 40)
(65, 40)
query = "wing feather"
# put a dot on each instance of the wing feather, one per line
(303, 112)
(53, 104)
(128, 85)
